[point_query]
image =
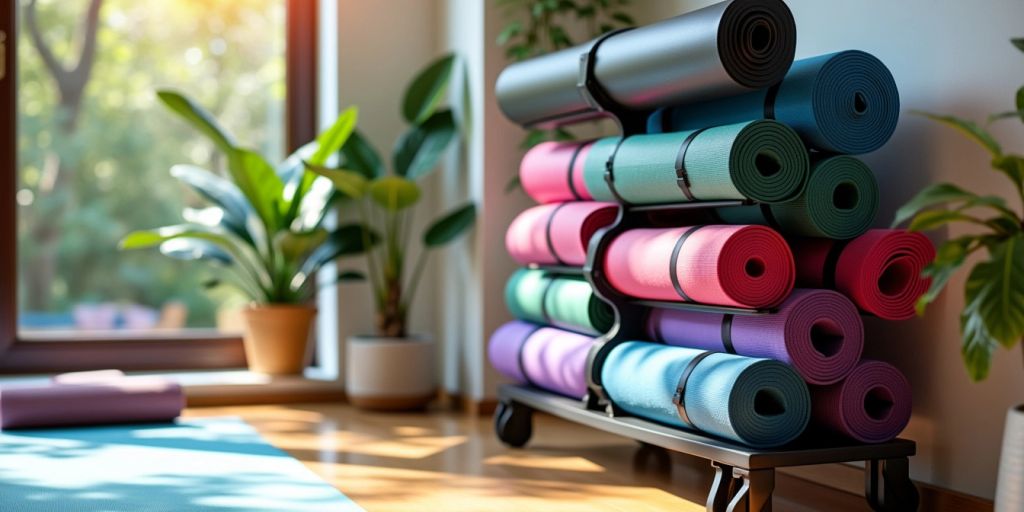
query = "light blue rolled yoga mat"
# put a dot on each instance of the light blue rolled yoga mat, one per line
(757, 402)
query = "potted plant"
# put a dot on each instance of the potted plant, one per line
(993, 313)
(393, 369)
(265, 227)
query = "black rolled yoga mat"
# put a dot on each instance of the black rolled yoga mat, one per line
(844, 102)
(562, 301)
(839, 202)
(724, 49)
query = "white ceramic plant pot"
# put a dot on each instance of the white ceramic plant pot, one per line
(390, 373)
(1010, 486)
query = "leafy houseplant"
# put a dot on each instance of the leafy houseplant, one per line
(265, 225)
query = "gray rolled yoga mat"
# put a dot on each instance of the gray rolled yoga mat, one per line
(724, 49)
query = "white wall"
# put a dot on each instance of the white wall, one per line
(947, 56)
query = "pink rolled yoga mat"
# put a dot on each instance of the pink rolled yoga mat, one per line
(552, 172)
(114, 400)
(742, 266)
(544, 357)
(872, 405)
(817, 332)
(557, 234)
(880, 271)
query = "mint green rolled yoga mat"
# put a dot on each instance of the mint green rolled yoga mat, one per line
(839, 202)
(562, 301)
(760, 160)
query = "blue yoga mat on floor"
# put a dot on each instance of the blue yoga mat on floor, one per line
(196, 465)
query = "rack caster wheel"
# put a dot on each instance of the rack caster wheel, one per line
(513, 423)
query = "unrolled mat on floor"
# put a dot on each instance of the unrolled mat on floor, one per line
(198, 465)
(567, 302)
(543, 357)
(872, 405)
(741, 266)
(817, 332)
(880, 271)
(840, 201)
(557, 234)
(844, 102)
(758, 402)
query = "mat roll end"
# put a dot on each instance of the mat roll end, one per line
(757, 41)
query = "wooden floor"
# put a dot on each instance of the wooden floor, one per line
(453, 462)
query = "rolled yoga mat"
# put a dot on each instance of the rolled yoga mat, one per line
(758, 402)
(96, 402)
(742, 266)
(872, 405)
(760, 160)
(880, 271)
(840, 201)
(543, 357)
(844, 102)
(557, 234)
(817, 332)
(724, 49)
(566, 302)
(552, 172)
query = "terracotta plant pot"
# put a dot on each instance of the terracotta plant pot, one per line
(276, 337)
(390, 374)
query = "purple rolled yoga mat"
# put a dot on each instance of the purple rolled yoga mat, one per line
(544, 357)
(817, 332)
(120, 400)
(872, 405)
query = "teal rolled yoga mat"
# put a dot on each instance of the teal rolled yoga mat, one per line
(760, 160)
(839, 202)
(562, 301)
(844, 102)
(757, 402)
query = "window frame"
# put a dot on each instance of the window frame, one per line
(198, 349)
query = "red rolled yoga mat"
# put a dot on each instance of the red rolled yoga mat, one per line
(557, 234)
(543, 172)
(543, 357)
(880, 271)
(872, 405)
(817, 332)
(742, 266)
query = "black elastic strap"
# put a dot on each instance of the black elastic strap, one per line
(547, 234)
(682, 178)
(679, 398)
(586, 83)
(769, 216)
(609, 172)
(572, 166)
(544, 299)
(674, 260)
(769, 101)
(727, 333)
(828, 271)
(519, 355)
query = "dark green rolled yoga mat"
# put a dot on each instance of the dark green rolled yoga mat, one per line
(760, 160)
(844, 102)
(562, 301)
(840, 202)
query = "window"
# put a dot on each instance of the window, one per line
(89, 161)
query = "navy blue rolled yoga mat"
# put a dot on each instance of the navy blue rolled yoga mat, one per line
(844, 102)
(758, 402)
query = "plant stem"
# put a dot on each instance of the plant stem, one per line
(375, 279)
(414, 283)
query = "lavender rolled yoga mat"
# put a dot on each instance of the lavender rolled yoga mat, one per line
(557, 234)
(742, 266)
(543, 357)
(872, 405)
(817, 332)
(116, 400)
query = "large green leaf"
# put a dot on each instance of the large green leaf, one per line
(969, 128)
(346, 240)
(995, 291)
(931, 219)
(294, 245)
(198, 117)
(220, 192)
(359, 155)
(949, 257)
(260, 183)
(976, 346)
(292, 169)
(195, 249)
(331, 140)
(1018, 42)
(350, 183)
(1013, 167)
(450, 226)
(419, 150)
(394, 193)
(931, 195)
(427, 90)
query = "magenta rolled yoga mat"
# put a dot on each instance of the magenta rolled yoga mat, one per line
(817, 332)
(742, 266)
(544, 357)
(872, 405)
(543, 172)
(96, 402)
(557, 234)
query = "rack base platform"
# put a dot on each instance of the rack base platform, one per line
(744, 476)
